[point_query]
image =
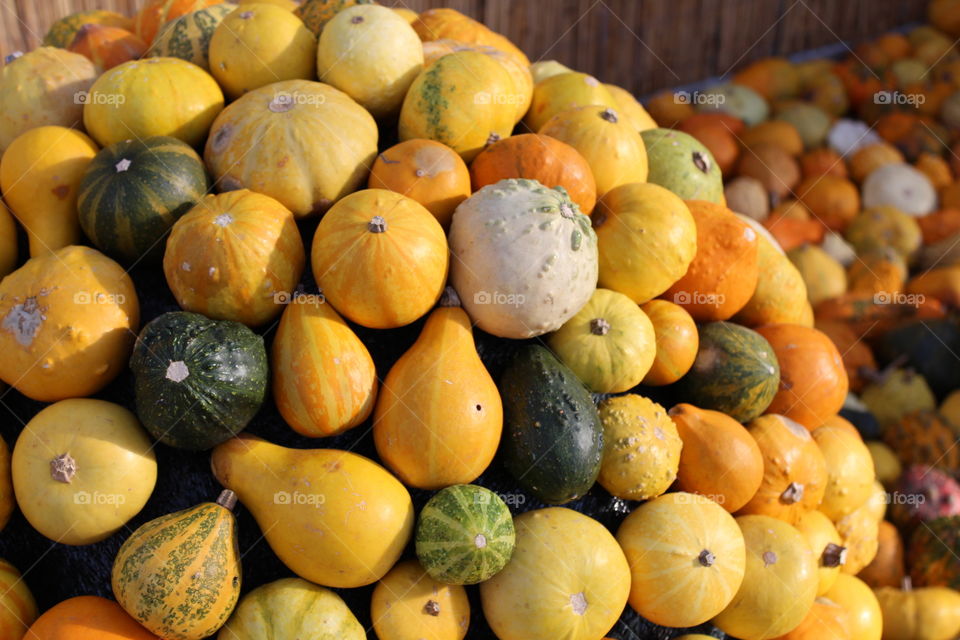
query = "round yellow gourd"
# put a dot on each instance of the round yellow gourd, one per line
(40, 175)
(260, 44)
(850, 473)
(81, 469)
(8, 241)
(631, 108)
(408, 604)
(827, 547)
(372, 54)
(152, 97)
(565, 91)
(67, 324)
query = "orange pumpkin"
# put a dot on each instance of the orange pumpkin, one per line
(935, 168)
(771, 165)
(731, 123)
(887, 568)
(824, 161)
(380, 258)
(942, 283)
(778, 133)
(427, 171)
(877, 271)
(939, 225)
(826, 621)
(87, 618)
(719, 458)
(835, 201)
(873, 156)
(717, 138)
(950, 196)
(813, 382)
(677, 342)
(107, 46)
(792, 233)
(157, 13)
(856, 354)
(794, 471)
(723, 275)
(449, 24)
(866, 620)
(772, 78)
(667, 111)
(537, 157)
(869, 318)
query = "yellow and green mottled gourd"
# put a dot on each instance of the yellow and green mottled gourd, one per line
(188, 37)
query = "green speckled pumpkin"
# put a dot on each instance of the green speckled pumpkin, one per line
(317, 13)
(134, 190)
(464, 535)
(680, 163)
(62, 32)
(179, 575)
(198, 381)
(188, 37)
(735, 372)
(932, 554)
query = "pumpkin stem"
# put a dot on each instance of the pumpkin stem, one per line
(609, 115)
(907, 584)
(493, 137)
(833, 555)
(63, 468)
(449, 298)
(356, 19)
(701, 161)
(227, 499)
(599, 327)
(792, 494)
(432, 608)
(706, 558)
(377, 224)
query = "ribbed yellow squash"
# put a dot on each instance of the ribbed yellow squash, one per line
(40, 175)
(686, 556)
(439, 417)
(324, 380)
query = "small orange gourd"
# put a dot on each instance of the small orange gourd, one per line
(677, 342)
(866, 619)
(87, 618)
(107, 46)
(887, 568)
(826, 620)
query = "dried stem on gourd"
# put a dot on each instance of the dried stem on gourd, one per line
(599, 327)
(227, 499)
(449, 298)
(432, 608)
(377, 224)
(609, 115)
(792, 494)
(706, 558)
(833, 555)
(63, 468)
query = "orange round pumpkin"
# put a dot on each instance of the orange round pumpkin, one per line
(794, 471)
(855, 353)
(87, 618)
(427, 171)
(826, 621)
(719, 458)
(778, 133)
(813, 382)
(667, 111)
(824, 161)
(716, 136)
(939, 225)
(872, 156)
(677, 342)
(380, 258)
(887, 568)
(866, 620)
(935, 168)
(775, 168)
(107, 46)
(723, 275)
(545, 159)
(835, 201)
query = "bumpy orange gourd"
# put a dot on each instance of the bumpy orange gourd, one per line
(324, 380)
(719, 458)
(677, 342)
(87, 618)
(439, 416)
(835, 201)
(794, 471)
(813, 381)
(427, 171)
(723, 275)
(380, 258)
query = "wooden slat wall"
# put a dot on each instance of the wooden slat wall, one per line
(644, 45)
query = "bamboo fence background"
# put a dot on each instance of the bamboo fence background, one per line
(643, 45)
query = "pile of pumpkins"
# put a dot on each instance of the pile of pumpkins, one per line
(734, 313)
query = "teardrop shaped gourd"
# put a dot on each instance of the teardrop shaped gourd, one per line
(333, 517)
(439, 417)
(324, 380)
(179, 575)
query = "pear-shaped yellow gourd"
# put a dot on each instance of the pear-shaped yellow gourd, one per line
(439, 416)
(333, 517)
(39, 175)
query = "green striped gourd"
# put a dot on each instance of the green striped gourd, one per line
(179, 575)
(134, 190)
(464, 535)
(188, 37)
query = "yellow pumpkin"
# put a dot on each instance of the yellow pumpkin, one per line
(380, 258)
(543, 69)
(794, 471)
(646, 237)
(826, 620)
(47, 86)
(18, 609)
(82, 468)
(927, 613)
(827, 547)
(260, 44)
(40, 175)
(439, 416)
(609, 343)
(277, 140)
(850, 471)
(67, 324)
(333, 517)
(566, 91)
(407, 14)
(609, 144)
(781, 294)
(860, 531)
(693, 543)
(408, 604)
(464, 100)
(8, 241)
(324, 380)
(641, 448)
(677, 342)
(631, 109)
(823, 276)
(866, 618)
(152, 97)
(779, 584)
(234, 256)
(541, 595)
(371, 54)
